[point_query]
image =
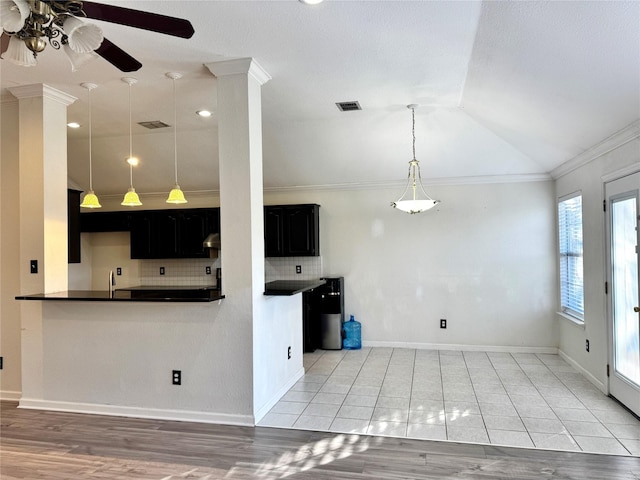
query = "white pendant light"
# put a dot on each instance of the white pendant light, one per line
(131, 198)
(175, 195)
(418, 201)
(90, 200)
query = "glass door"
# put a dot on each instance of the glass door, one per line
(624, 307)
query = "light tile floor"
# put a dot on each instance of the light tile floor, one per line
(519, 399)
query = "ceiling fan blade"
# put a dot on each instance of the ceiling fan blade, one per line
(117, 57)
(4, 43)
(139, 19)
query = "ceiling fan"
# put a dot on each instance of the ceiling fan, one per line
(26, 24)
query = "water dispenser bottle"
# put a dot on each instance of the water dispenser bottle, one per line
(353, 336)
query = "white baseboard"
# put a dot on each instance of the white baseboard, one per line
(465, 348)
(598, 384)
(136, 412)
(269, 405)
(10, 395)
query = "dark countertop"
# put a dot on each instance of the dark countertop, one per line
(133, 294)
(291, 287)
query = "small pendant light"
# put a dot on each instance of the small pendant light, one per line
(131, 198)
(414, 204)
(90, 199)
(175, 195)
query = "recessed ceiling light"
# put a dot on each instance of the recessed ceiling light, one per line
(311, 2)
(133, 161)
(204, 113)
(73, 125)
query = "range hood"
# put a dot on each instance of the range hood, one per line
(212, 241)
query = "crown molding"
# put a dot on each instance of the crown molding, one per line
(41, 90)
(449, 181)
(445, 181)
(626, 135)
(239, 66)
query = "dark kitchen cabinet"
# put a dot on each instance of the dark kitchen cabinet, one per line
(172, 233)
(292, 230)
(194, 226)
(73, 226)
(104, 222)
(141, 235)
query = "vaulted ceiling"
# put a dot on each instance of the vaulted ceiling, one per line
(505, 89)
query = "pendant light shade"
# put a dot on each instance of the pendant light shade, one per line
(90, 200)
(175, 195)
(131, 198)
(417, 201)
(13, 14)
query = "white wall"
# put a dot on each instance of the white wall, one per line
(10, 375)
(484, 259)
(279, 329)
(117, 358)
(588, 179)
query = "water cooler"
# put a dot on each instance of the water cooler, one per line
(324, 316)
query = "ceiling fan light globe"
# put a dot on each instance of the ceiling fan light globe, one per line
(90, 200)
(76, 59)
(82, 37)
(17, 52)
(13, 14)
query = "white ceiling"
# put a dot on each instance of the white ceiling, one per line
(505, 88)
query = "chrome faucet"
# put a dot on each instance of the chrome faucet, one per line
(112, 283)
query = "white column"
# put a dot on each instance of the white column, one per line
(43, 213)
(241, 204)
(240, 164)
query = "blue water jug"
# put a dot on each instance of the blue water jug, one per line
(353, 336)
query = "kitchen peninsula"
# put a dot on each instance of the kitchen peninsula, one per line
(158, 294)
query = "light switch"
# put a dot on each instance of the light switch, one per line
(34, 266)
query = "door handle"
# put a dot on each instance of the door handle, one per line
(636, 309)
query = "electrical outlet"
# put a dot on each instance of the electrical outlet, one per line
(443, 323)
(33, 265)
(161, 270)
(298, 268)
(207, 270)
(119, 271)
(289, 353)
(587, 345)
(176, 377)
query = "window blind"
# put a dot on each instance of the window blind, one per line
(570, 249)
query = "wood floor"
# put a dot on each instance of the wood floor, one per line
(69, 446)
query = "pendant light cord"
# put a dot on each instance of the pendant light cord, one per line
(413, 130)
(175, 131)
(130, 142)
(90, 166)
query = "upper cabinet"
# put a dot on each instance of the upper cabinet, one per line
(175, 233)
(292, 230)
(172, 233)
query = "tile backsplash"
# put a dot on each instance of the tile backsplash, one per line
(276, 268)
(192, 272)
(187, 272)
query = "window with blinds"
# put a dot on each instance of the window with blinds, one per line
(570, 254)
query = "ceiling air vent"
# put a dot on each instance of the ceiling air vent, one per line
(153, 125)
(348, 106)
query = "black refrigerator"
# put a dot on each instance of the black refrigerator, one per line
(323, 316)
